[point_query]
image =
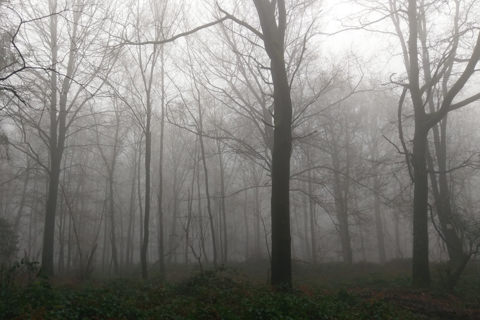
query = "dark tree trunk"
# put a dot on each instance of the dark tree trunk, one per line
(57, 135)
(274, 40)
(51, 207)
(420, 263)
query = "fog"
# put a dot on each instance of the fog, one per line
(138, 138)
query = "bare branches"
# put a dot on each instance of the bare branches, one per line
(240, 22)
(23, 64)
(447, 105)
(408, 155)
(173, 38)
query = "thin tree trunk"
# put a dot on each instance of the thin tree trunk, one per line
(379, 222)
(161, 235)
(146, 219)
(258, 216)
(111, 206)
(173, 228)
(131, 213)
(222, 204)
(139, 194)
(207, 192)
(245, 219)
(312, 220)
(200, 214)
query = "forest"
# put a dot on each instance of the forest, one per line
(239, 159)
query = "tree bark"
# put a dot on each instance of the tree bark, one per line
(274, 40)
(420, 263)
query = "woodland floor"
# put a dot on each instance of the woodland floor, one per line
(325, 291)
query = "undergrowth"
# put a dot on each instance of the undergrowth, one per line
(209, 295)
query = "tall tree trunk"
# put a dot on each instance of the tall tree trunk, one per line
(274, 40)
(55, 158)
(311, 214)
(420, 264)
(161, 235)
(131, 213)
(172, 252)
(146, 219)
(139, 195)
(57, 134)
(207, 190)
(222, 204)
(111, 206)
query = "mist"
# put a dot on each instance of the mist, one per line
(156, 139)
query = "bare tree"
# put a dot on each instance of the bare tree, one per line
(66, 97)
